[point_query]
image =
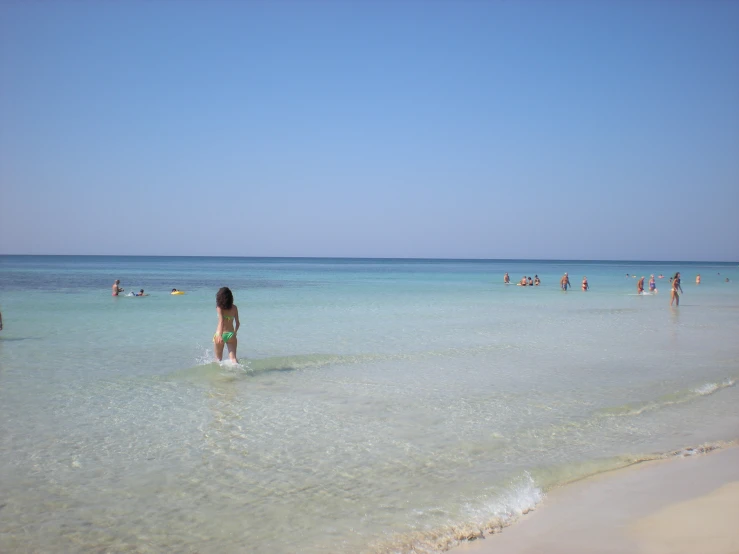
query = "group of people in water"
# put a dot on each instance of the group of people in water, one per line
(524, 282)
(117, 290)
(228, 319)
(228, 314)
(564, 283)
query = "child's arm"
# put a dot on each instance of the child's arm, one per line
(219, 330)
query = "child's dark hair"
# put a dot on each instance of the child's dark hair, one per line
(224, 298)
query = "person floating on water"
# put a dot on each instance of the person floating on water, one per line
(116, 288)
(564, 282)
(640, 285)
(675, 297)
(652, 284)
(228, 324)
(537, 282)
(506, 279)
(585, 285)
(141, 293)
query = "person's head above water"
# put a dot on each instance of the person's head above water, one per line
(142, 291)
(224, 298)
(174, 290)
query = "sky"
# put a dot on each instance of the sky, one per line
(468, 129)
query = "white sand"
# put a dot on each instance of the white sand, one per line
(667, 507)
(708, 524)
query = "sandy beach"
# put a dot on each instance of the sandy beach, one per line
(680, 505)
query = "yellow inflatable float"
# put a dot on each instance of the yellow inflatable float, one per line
(175, 291)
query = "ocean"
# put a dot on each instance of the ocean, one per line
(379, 405)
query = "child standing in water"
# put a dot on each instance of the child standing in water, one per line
(228, 324)
(675, 297)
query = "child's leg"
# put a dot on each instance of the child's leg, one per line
(232, 344)
(218, 348)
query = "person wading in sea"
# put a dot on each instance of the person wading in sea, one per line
(675, 296)
(116, 288)
(564, 282)
(228, 324)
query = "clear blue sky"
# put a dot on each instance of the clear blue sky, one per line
(472, 129)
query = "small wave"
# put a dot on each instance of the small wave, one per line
(635, 409)
(298, 362)
(518, 499)
(490, 517)
(710, 388)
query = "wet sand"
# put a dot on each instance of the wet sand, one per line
(675, 506)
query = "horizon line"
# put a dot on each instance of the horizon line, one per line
(376, 258)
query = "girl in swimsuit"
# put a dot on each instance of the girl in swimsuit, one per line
(675, 286)
(585, 285)
(652, 284)
(228, 324)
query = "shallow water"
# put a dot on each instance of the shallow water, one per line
(379, 404)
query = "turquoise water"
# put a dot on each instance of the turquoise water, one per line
(379, 406)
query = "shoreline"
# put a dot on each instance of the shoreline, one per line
(672, 505)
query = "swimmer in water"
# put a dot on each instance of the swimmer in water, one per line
(652, 284)
(228, 324)
(506, 279)
(640, 285)
(585, 285)
(698, 279)
(537, 281)
(675, 296)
